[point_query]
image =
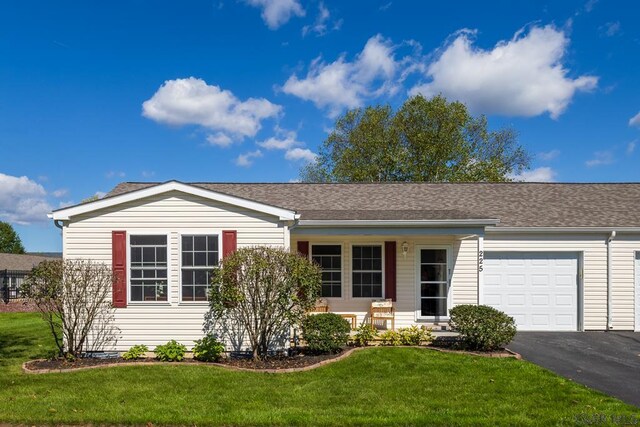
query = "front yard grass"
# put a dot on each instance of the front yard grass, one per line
(378, 386)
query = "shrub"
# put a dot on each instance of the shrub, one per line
(73, 298)
(364, 334)
(135, 352)
(208, 349)
(391, 337)
(482, 327)
(261, 292)
(325, 332)
(415, 335)
(172, 351)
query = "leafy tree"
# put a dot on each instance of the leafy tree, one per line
(425, 140)
(73, 298)
(10, 242)
(265, 290)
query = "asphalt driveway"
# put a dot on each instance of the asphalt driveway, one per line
(605, 361)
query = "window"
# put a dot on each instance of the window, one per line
(200, 256)
(367, 271)
(433, 282)
(329, 258)
(148, 268)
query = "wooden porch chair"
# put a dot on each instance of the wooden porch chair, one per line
(382, 310)
(322, 306)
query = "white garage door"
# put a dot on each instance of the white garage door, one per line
(539, 290)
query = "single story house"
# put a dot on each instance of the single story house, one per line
(556, 257)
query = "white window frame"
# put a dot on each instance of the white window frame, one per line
(449, 269)
(342, 281)
(148, 233)
(376, 243)
(196, 232)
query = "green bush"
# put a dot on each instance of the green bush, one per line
(415, 335)
(208, 349)
(391, 337)
(172, 351)
(325, 332)
(365, 333)
(482, 327)
(135, 352)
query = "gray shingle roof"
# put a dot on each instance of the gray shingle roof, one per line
(514, 204)
(21, 262)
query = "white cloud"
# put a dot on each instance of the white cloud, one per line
(303, 154)
(600, 158)
(541, 174)
(631, 147)
(347, 84)
(22, 201)
(524, 76)
(246, 159)
(320, 24)
(220, 139)
(283, 140)
(100, 194)
(385, 6)
(611, 29)
(635, 120)
(115, 174)
(148, 174)
(192, 101)
(277, 12)
(549, 155)
(61, 192)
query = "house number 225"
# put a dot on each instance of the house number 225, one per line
(480, 261)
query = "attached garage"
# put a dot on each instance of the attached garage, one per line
(540, 290)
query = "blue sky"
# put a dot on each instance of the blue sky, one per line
(94, 94)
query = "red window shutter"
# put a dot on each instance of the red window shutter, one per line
(119, 265)
(229, 242)
(390, 270)
(303, 248)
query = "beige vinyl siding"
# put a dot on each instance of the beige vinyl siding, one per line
(594, 250)
(89, 236)
(464, 277)
(623, 249)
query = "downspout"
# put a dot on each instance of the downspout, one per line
(58, 223)
(609, 269)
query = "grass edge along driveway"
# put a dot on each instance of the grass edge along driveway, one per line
(379, 386)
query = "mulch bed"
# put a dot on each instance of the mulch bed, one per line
(272, 363)
(17, 306)
(300, 360)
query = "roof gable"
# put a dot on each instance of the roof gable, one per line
(155, 189)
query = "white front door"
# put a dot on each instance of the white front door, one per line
(433, 271)
(538, 289)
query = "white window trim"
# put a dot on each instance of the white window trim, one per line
(417, 255)
(384, 255)
(169, 286)
(196, 232)
(342, 270)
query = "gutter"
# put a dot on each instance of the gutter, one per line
(609, 281)
(396, 223)
(540, 230)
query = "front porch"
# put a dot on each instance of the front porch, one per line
(425, 271)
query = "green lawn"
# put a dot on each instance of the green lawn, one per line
(378, 386)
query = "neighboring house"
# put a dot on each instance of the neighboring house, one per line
(13, 269)
(554, 256)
